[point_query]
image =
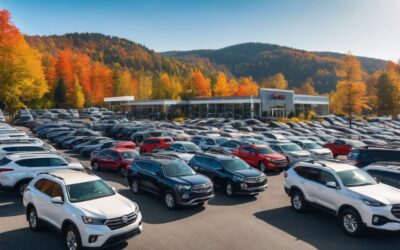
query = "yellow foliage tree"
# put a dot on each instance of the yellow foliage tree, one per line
(221, 87)
(307, 88)
(277, 81)
(79, 98)
(21, 75)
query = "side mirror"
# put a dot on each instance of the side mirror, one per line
(57, 200)
(331, 184)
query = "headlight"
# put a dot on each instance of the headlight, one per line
(372, 202)
(136, 207)
(183, 187)
(238, 178)
(268, 159)
(93, 221)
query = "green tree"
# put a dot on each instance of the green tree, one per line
(60, 94)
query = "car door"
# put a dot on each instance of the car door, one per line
(327, 197)
(212, 168)
(245, 154)
(147, 178)
(311, 184)
(114, 160)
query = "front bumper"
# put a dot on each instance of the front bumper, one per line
(107, 237)
(196, 201)
(391, 223)
(251, 190)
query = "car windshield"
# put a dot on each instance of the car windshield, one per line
(355, 178)
(192, 148)
(356, 144)
(88, 191)
(265, 151)
(235, 164)
(312, 145)
(290, 147)
(177, 169)
(129, 154)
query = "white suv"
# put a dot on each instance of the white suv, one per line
(88, 212)
(345, 191)
(17, 170)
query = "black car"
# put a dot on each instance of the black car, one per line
(170, 178)
(365, 156)
(231, 173)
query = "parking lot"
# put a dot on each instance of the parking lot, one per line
(265, 221)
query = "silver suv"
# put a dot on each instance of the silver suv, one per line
(344, 191)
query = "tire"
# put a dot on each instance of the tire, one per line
(72, 238)
(135, 186)
(96, 166)
(298, 202)
(123, 172)
(33, 220)
(229, 189)
(351, 222)
(262, 167)
(21, 187)
(170, 200)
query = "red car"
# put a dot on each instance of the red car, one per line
(343, 146)
(262, 157)
(119, 159)
(125, 144)
(152, 143)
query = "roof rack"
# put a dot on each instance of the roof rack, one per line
(388, 146)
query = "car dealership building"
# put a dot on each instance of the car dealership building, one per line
(269, 103)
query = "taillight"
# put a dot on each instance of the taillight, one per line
(285, 174)
(6, 169)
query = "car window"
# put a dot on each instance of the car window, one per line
(57, 191)
(113, 154)
(246, 149)
(339, 142)
(326, 177)
(213, 163)
(313, 174)
(276, 148)
(197, 160)
(210, 142)
(388, 178)
(47, 188)
(302, 171)
(37, 162)
(56, 162)
(144, 165)
(177, 147)
(39, 184)
(155, 168)
(167, 140)
(10, 149)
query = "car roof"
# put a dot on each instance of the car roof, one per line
(73, 177)
(122, 149)
(336, 165)
(218, 156)
(390, 166)
(27, 155)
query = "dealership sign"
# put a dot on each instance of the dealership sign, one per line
(277, 96)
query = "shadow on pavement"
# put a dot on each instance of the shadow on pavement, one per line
(323, 231)
(221, 199)
(10, 204)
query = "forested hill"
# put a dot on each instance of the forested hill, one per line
(110, 50)
(261, 60)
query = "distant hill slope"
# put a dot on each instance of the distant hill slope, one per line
(109, 50)
(261, 60)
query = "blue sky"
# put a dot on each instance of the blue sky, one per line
(364, 27)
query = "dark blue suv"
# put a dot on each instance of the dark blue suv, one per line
(170, 178)
(231, 173)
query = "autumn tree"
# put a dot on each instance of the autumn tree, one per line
(307, 88)
(247, 87)
(21, 75)
(350, 94)
(202, 85)
(60, 94)
(221, 87)
(169, 87)
(233, 87)
(277, 81)
(144, 87)
(387, 96)
(79, 98)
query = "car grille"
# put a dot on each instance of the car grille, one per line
(202, 188)
(120, 222)
(280, 162)
(259, 179)
(121, 237)
(396, 210)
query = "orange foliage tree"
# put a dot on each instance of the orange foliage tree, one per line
(247, 87)
(201, 84)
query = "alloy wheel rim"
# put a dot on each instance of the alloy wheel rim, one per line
(32, 219)
(297, 202)
(229, 189)
(123, 172)
(135, 186)
(350, 223)
(71, 241)
(262, 167)
(169, 200)
(95, 166)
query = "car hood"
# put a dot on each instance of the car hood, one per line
(380, 192)
(191, 179)
(246, 172)
(272, 156)
(107, 207)
(320, 151)
(301, 153)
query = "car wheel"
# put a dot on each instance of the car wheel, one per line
(21, 187)
(170, 200)
(123, 172)
(72, 238)
(298, 201)
(351, 222)
(95, 166)
(262, 167)
(33, 220)
(135, 186)
(229, 189)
